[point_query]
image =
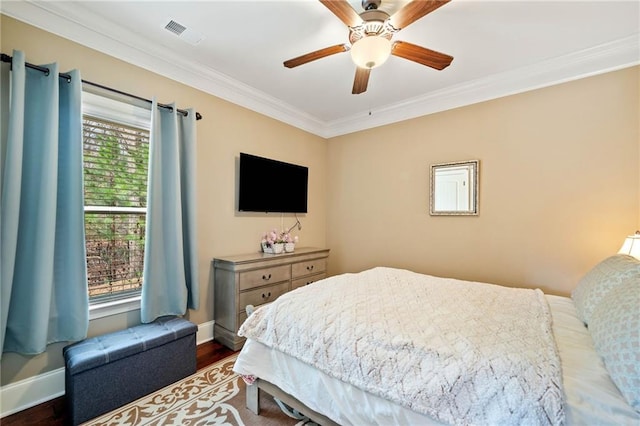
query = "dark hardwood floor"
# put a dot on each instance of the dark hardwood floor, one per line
(53, 413)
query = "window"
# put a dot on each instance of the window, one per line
(116, 151)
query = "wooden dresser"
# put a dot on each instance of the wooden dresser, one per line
(256, 279)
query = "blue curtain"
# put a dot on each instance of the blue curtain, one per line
(170, 258)
(43, 262)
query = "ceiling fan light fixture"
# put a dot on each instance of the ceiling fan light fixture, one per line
(371, 52)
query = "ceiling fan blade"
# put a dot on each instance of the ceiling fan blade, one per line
(413, 11)
(343, 10)
(361, 81)
(421, 55)
(318, 54)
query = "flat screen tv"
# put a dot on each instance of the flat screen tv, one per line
(267, 185)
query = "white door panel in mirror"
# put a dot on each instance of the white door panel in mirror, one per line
(454, 188)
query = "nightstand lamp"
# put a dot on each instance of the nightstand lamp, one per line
(631, 245)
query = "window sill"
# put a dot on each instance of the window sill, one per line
(115, 307)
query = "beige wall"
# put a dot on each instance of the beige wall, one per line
(225, 131)
(559, 186)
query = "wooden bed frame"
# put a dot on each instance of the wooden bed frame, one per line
(253, 401)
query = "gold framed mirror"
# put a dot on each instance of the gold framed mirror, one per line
(454, 188)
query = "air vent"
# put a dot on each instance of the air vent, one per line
(184, 33)
(175, 28)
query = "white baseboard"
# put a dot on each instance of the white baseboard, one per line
(32, 391)
(35, 390)
(205, 332)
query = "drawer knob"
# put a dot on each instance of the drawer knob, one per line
(266, 277)
(310, 268)
(309, 282)
(266, 296)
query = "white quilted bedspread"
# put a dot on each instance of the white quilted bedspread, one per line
(461, 352)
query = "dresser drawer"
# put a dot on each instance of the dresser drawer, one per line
(300, 282)
(262, 295)
(260, 277)
(309, 267)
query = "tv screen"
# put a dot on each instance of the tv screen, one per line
(267, 185)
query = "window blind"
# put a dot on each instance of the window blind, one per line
(115, 190)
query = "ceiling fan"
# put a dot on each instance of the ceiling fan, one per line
(370, 34)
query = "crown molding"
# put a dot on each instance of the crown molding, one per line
(612, 56)
(61, 18)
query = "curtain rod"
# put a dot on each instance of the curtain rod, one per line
(45, 70)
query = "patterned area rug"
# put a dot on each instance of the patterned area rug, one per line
(214, 395)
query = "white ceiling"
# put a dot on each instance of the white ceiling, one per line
(499, 48)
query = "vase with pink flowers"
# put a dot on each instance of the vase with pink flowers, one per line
(275, 242)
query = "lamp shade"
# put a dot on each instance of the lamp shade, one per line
(631, 245)
(370, 52)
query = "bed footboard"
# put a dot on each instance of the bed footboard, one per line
(253, 402)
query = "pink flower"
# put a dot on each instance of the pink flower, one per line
(275, 237)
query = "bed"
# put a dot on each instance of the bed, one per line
(391, 346)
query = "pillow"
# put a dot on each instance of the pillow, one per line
(615, 329)
(605, 276)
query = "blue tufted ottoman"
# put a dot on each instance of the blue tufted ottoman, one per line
(108, 371)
